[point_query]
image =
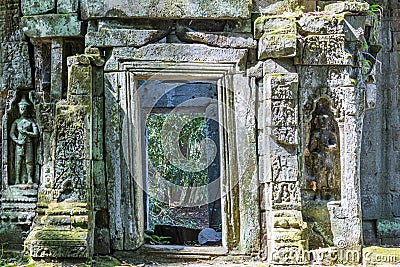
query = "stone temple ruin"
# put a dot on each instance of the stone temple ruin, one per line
(303, 112)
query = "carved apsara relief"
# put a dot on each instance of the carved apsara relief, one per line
(20, 140)
(322, 155)
(23, 133)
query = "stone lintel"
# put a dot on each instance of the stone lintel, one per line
(198, 53)
(52, 25)
(219, 39)
(123, 37)
(180, 9)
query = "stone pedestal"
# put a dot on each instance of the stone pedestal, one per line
(17, 209)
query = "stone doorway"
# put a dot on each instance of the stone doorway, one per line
(182, 187)
(126, 142)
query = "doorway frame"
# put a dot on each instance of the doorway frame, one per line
(239, 165)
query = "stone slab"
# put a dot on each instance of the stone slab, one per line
(36, 7)
(278, 66)
(52, 25)
(166, 9)
(176, 53)
(277, 46)
(347, 6)
(322, 23)
(388, 228)
(58, 243)
(67, 6)
(274, 25)
(227, 40)
(123, 37)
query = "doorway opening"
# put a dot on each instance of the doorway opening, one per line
(183, 192)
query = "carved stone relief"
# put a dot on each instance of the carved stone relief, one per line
(23, 132)
(71, 165)
(322, 155)
(20, 140)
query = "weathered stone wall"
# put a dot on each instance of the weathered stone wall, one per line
(380, 149)
(308, 106)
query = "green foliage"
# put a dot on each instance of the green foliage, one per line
(161, 165)
(15, 261)
(374, 8)
(157, 240)
(366, 65)
(190, 137)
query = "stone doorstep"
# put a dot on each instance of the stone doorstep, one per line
(188, 250)
(163, 255)
(173, 253)
(59, 244)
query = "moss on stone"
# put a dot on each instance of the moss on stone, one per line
(106, 261)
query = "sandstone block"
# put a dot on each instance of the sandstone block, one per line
(36, 7)
(52, 25)
(67, 6)
(226, 40)
(166, 9)
(388, 228)
(325, 50)
(322, 24)
(277, 46)
(347, 6)
(274, 25)
(123, 37)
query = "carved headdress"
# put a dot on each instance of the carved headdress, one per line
(23, 102)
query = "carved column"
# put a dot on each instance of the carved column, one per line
(331, 104)
(284, 242)
(65, 227)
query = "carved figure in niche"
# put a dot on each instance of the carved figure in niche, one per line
(322, 157)
(23, 132)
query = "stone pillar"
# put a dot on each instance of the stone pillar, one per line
(57, 50)
(284, 242)
(330, 66)
(65, 227)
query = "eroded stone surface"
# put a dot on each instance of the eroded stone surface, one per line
(316, 47)
(123, 37)
(347, 6)
(35, 7)
(166, 9)
(277, 36)
(53, 25)
(291, 105)
(230, 40)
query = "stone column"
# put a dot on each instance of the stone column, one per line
(279, 140)
(331, 71)
(65, 228)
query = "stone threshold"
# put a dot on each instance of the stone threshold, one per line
(174, 253)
